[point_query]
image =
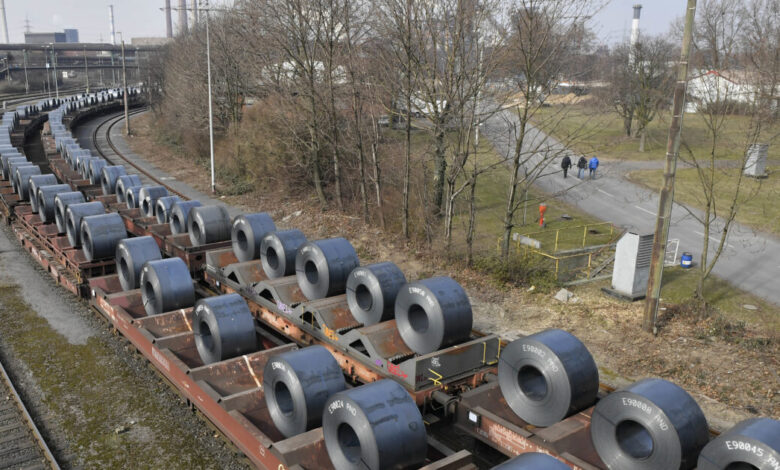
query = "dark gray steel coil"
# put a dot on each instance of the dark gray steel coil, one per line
(224, 327)
(533, 461)
(132, 196)
(432, 314)
(124, 182)
(7, 163)
(163, 208)
(547, 376)
(95, 170)
(100, 235)
(180, 215)
(36, 182)
(649, 425)
(247, 234)
(166, 285)
(278, 250)
(322, 267)
(147, 199)
(61, 203)
(208, 224)
(73, 215)
(751, 444)
(46, 195)
(131, 255)
(109, 176)
(297, 384)
(375, 426)
(12, 167)
(371, 292)
(23, 175)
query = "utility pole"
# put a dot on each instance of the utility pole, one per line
(211, 114)
(54, 61)
(26, 83)
(124, 85)
(666, 198)
(86, 68)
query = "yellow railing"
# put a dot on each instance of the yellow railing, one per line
(556, 235)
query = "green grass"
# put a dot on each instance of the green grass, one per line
(759, 201)
(679, 285)
(593, 130)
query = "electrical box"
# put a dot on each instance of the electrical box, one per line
(632, 265)
(755, 164)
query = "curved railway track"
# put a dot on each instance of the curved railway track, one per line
(111, 156)
(21, 444)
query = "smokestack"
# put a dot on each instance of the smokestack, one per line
(635, 25)
(182, 16)
(168, 20)
(111, 24)
(5, 23)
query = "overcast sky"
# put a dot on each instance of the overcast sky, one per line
(141, 18)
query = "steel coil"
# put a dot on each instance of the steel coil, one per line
(166, 285)
(247, 234)
(147, 199)
(371, 292)
(297, 384)
(46, 195)
(163, 208)
(100, 235)
(649, 425)
(224, 327)
(375, 426)
(180, 215)
(12, 167)
(208, 224)
(73, 215)
(533, 461)
(432, 314)
(322, 267)
(95, 170)
(751, 444)
(124, 182)
(278, 250)
(7, 160)
(36, 182)
(109, 176)
(23, 175)
(61, 203)
(547, 376)
(131, 255)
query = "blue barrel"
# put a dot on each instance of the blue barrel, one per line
(686, 261)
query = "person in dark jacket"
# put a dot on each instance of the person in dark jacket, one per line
(593, 165)
(565, 164)
(582, 163)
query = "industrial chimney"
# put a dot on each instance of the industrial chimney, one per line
(182, 16)
(5, 23)
(111, 24)
(635, 26)
(168, 21)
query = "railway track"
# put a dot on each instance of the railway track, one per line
(114, 156)
(21, 444)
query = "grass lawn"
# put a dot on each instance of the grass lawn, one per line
(760, 208)
(596, 130)
(679, 285)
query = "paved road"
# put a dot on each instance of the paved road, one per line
(750, 261)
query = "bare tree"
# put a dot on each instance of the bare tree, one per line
(720, 99)
(541, 37)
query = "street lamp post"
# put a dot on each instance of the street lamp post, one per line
(124, 86)
(86, 68)
(26, 83)
(211, 114)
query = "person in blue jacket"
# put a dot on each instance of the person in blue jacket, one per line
(592, 165)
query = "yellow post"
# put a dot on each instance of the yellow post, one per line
(557, 232)
(584, 234)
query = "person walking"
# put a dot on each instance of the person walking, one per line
(581, 164)
(565, 164)
(592, 166)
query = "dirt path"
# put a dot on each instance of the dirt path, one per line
(731, 373)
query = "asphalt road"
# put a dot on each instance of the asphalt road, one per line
(750, 260)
